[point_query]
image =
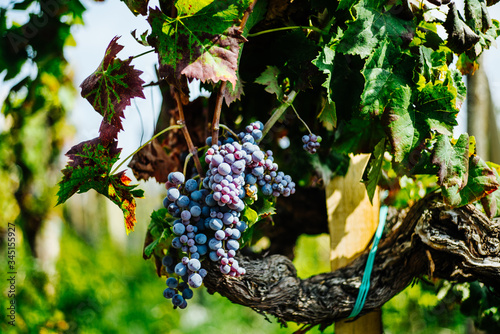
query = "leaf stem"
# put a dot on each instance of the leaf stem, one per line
(218, 107)
(172, 127)
(285, 28)
(182, 121)
(278, 112)
(142, 54)
(296, 113)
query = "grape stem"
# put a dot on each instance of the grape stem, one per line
(192, 149)
(305, 124)
(172, 127)
(278, 112)
(142, 54)
(225, 127)
(218, 107)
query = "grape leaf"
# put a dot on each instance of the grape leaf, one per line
(474, 15)
(452, 161)
(491, 202)
(435, 106)
(328, 114)
(324, 62)
(399, 119)
(201, 42)
(137, 6)
(89, 168)
(460, 36)
(381, 78)
(373, 169)
(110, 88)
(372, 26)
(269, 78)
(481, 182)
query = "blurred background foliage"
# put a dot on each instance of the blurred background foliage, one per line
(75, 275)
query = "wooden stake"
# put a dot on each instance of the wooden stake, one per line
(352, 222)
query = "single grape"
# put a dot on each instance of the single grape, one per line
(177, 300)
(168, 293)
(176, 178)
(172, 282)
(195, 280)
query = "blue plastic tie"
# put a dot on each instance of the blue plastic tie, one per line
(365, 283)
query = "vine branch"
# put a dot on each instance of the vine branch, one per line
(463, 244)
(182, 121)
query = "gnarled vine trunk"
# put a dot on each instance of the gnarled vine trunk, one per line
(455, 244)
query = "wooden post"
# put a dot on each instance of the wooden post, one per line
(352, 222)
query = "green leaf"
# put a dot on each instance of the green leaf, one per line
(452, 161)
(373, 170)
(474, 15)
(250, 216)
(110, 88)
(381, 78)
(201, 42)
(329, 114)
(481, 182)
(436, 109)
(372, 26)
(346, 4)
(269, 78)
(89, 168)
(399, 118)
(265, 207)
(151, 247)
(325, 63)
(460, 36)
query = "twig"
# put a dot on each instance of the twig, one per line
(218, 107)
(182, 121)
(278, 112)
(143, 145)
(248, 11)
(225, 127)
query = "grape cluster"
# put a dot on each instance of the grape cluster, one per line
(311, 142)
(208, 215)
(186, 203)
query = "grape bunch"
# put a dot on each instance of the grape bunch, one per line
(208, 215)
(311, 142)
(184, 201)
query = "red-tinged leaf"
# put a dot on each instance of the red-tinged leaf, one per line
(110, 88)
(491, 202)
(119, 192)
(452, 161)
(481, 182)
(90, 168)
(201, 42)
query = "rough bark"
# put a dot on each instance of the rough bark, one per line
(455, 244)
